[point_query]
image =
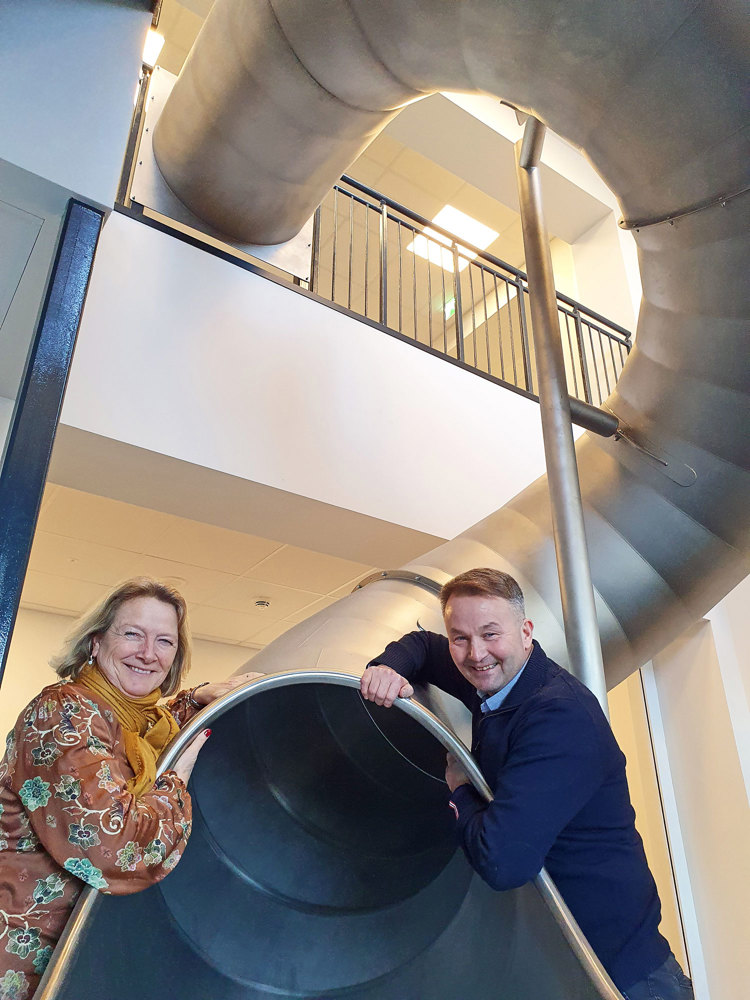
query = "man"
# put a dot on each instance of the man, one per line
(545, 747)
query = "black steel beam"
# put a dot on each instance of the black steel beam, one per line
(38, 407)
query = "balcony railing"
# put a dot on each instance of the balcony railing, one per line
(378, 259)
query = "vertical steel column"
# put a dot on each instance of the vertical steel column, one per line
(38, 407)
(579, 610)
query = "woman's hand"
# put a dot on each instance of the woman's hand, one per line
(184, 766)
(207, 693)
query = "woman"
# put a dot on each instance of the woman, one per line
(79, 798)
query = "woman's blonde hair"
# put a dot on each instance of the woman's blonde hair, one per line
(77, 649)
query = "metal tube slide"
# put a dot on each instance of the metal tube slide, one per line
(277, 98)
(323, 863)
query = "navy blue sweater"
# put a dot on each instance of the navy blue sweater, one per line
(561, 802)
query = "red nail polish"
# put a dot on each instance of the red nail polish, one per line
(207, 733)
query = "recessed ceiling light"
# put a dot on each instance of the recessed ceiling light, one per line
(436, 248)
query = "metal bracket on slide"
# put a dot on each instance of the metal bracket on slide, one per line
(402, 575)
(678, 472)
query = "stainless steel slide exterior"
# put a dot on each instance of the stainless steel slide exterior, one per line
(321, 864)
(277, 98)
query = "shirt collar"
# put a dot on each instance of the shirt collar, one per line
(494, 701)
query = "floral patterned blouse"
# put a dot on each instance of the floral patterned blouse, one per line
(67, 818)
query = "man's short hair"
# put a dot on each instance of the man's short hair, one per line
(484, 582)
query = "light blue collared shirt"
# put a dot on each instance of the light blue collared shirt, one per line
(495, 700)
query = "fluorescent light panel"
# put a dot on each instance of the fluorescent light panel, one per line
(152, 47)
(431, 245)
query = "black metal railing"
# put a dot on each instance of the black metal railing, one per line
(382, 261)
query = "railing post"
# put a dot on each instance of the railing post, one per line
(582, 356)
(525, 338)
(383, 263)
(576, 589)
(315, 252)
(459, 313)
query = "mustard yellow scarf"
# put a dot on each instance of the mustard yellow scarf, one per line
(146, 726)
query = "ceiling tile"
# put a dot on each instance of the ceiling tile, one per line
(304, 569)
(218, 623)
(241, 595)
(509, 245)
(366, 171)
(172, 58)
(202, 7)
(169, 13)
(185, 29)
(196, 583)
(199, 544)
(384, 149)
(484, 208)
(50, 492)
(74, 558)
(410, 195)
(434, 179)
(48, 592)
(108, 522)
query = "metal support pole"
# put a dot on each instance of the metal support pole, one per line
(579, 610)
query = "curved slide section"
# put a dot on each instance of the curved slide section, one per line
(323, 863)
(279, 96)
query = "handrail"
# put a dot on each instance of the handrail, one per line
(55, 976)
(493, 336)
(475, 251)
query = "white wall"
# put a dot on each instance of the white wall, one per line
(605, 254)
(187, 356)
(629, 722)
(729, 628)
(697, 702)
(604, 271)
(69, 70)
(38, 635)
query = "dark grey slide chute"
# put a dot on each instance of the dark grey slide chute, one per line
(323, 863)
(276, 99)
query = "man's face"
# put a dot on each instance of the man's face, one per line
(489, 641)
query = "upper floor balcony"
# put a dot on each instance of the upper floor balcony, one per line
(437, 282)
